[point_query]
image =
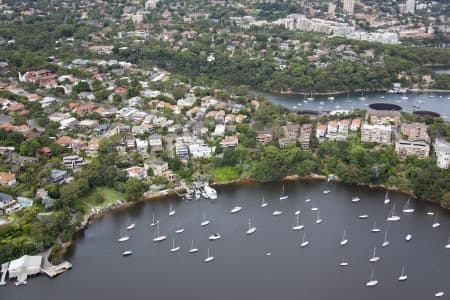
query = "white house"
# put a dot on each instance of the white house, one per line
(198, 151)
(141, 146)
(442, 149)
(28, 265)
(219, 130)
(136, 172)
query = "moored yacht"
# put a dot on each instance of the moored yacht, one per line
(372, 281)
(236, 209)
(158, 237)
(210, 192)
(251, 229)
(127, 253)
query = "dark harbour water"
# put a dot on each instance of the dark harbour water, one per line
(241, 269)
(436, 102)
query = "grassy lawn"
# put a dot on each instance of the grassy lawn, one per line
(100, 196)
(225, 174)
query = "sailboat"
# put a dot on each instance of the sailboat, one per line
(283, 196)
(406, 208)
(192, 249)
(448, 244)
(308, 200)
(374, 257)
(277, 212)
(297, 212)
(304, 242)
(180, 229)
(386, 198)
(310, 98)
(392, 217)
(362, 96)
(154, 222)
(318, 219)
(251, 229)
(404, 97)
(131, 226)
(385, 242)
(375, 228)
(123, 238)
(372, 281)
(435, 223)
(174, 248)
(297, 226)
(355, 199)
(236, 209)
(263, 203)
(344, 241)
(158, 237)
(408, 237)
(171, 211)
(205, 221)
(343, 263)
(430, 213)
(215, 236)
(314, 207)
(209, 257)
(127, 253)
(403, 275)
(439, 294)
(363, 216)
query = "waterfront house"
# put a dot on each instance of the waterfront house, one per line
(159, 167)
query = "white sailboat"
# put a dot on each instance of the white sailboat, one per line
(283, 195)
(318, 219)
(408, 237)
(344, 241)
(297, 212)
(250, 229)
(158, 237)
(215, 236)
(277, 212)
(298, 226)
(154, 222)
(308, 200)
(375, 228)
(310, 98)
(179, 229)
(356, 199)
(406, 208)
(448, 244)
(386, 198)
(403, 275)
(205, 220)
(123, 238)
(392, 217)
(363, 216)
(362, 98)
(304, 242)
(236, 209)
(372, 281)
(171, 210)
(439, 294)
(385, 242)
(131, 226)
(127, 253)
(314, 207)
(374, 257)
(343, 263)
(264, 203)
(435, 223)
(174, 248)
(192, 249)
(209, 258)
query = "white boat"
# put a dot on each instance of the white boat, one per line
(209, 257)
(250, 229)
(344, 241)
(385, 241)
(210, 192)
(381, 97)
(297, 212)
(123, 238)
(158, 237)
(343, 263)
(331, 98)
(19, 283)
(372, 281)
(304, 242)
(386, 198)
(180, 229)
(131, 226)
(307, 200)
(193, 249)
(327, 191)
(362, 98)
(314, 207)
(375, 228)
(171, 210)
(430, 213)
(408, 237)
(268, 253)
(435, 223)
(439, 294)
(374, 257)
(392, 217)
(214, 236)
(310, 98)
(318, 219)
(127, 253)
(263, 203)
(174, 248)
(406, 208)
(363, 216)
(205, 221)
(403, 275)
(283, 195)
(236, 209)
(154, 222)
(356, 199)
(277, 212)
(448, 244)
(197, 194)
(403, 97)
(298, 226)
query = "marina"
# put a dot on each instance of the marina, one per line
(277, 257)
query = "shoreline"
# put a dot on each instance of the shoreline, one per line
(303, 93)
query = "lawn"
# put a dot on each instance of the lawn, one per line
(100, 196)
(225, 174)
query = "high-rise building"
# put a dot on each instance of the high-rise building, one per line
(349, 6)
(410, 6)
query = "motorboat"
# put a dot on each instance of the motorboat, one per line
(356, 199)
(210, 192)
(215, 236)
(277, 212)
(127, 253)
(408, 237)
(236, 209)
(363, 216)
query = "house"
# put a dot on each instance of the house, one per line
(240, 118)
(414, 131)
(356, 125)
(199, 151)
(376, 133)
(264, 137)
(230, 141)
(332, 127)
(26, 265)
(7, 204)
(92, 147)
(384, 117)
(136, 172)
(155, 143)
(321, 130)
(141, 146)
(73, 162)
(65, 141)
(130, 143)
(46, 152)
(159, 167)
(7, 179)
(305, 136)
(418, 148)
(343, 126)
(88, 124)
(58, 176)
(181, 150)
(219, 130)
(442, 150)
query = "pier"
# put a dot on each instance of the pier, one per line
(50, 270)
